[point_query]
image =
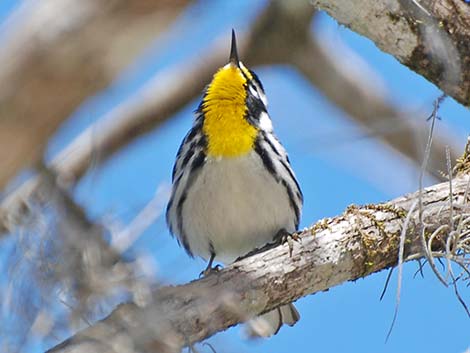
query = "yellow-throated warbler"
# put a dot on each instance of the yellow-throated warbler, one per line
(233, 186)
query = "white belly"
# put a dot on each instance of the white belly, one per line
(235, 206)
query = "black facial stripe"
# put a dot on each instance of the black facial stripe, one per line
(256, 79)
(255, 108)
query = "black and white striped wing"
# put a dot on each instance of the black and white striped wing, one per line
(189, 159)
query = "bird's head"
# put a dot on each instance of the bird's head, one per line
(233, 106)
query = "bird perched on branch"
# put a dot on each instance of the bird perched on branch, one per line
(233, 187)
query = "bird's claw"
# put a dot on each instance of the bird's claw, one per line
(210, 270)
(283, 237)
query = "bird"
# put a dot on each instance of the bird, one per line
(233, 187)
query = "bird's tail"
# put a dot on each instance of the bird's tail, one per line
(269, 324)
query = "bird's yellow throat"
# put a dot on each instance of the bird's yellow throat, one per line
(228, 132)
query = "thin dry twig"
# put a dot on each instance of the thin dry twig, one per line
(457, 294)
(384, 290)
(401, 252)
(421, 177)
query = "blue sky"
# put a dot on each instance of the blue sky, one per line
(334, 165)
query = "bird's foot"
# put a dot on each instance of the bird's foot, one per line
(283, 237)
(210, 270)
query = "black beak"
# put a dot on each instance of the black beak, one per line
(233, 50)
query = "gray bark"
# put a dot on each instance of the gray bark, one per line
(431, 37)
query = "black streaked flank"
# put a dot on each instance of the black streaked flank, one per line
(268, 141)
(267, 161)
(185, 243)
(291, 174)
(293, 204)
(196, 164)
(195, 129)
(202, 142)
(167, 216)
(286, 165)
(191, 135)
(177, 181)
(188, 155)
(179, 221)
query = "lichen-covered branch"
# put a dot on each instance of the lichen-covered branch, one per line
(361, 241)
(431, 37)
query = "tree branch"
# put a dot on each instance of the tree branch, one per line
(361, 241)
(57, 53)
(430, 37)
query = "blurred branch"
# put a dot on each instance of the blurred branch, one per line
(361, 241)
(74, 264)
(90, 263)
(430, 37)
(281, 34)
(57, 53)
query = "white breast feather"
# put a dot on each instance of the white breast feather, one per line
(235, 205)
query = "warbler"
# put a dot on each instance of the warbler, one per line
(233, 186)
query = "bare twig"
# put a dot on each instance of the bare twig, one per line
(422, 226)
(457, 294)
(401, 254)
(384, 290)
